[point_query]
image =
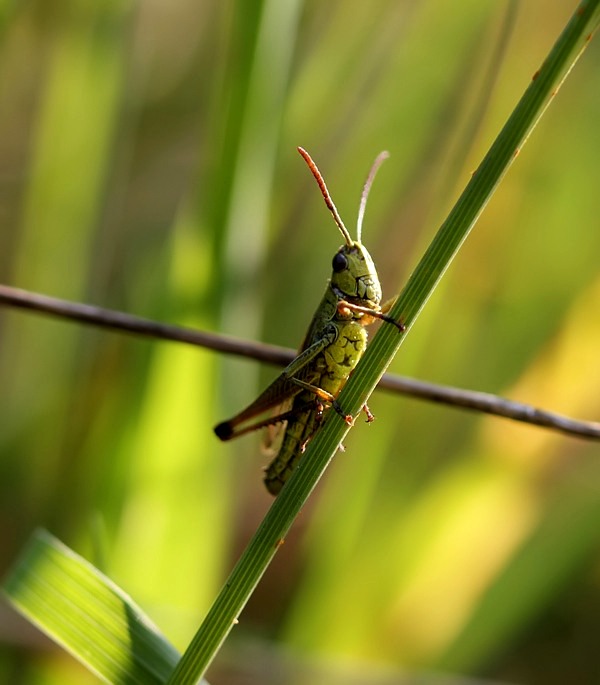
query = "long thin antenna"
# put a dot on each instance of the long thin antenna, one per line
(326, 196)
(381, 157)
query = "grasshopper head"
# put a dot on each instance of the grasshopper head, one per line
(354, 276)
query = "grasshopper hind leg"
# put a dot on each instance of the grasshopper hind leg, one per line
(303, 423)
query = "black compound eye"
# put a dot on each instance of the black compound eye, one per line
(339, 262)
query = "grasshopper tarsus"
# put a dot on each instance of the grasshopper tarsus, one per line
(345, 308)
(338, 410)
(398, 323)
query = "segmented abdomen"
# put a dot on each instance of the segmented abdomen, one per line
(329, 371)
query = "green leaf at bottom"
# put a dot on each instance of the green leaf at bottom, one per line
(86, 613)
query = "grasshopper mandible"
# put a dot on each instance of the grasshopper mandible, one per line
(335, 342)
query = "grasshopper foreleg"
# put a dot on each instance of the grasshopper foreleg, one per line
(345, 306)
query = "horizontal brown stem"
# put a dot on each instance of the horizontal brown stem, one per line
(280, 356)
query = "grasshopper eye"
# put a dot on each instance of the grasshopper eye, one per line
(339, 262)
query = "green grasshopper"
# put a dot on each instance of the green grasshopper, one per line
(335, 342)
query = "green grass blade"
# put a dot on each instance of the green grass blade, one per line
(486, 178)
(224, 612)
(82, 610)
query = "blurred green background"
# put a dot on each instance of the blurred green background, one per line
(148, 164)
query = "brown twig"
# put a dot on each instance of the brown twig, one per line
(280, 356)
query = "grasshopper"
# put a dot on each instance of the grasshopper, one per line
(336, 340)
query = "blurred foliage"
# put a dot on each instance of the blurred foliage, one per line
(147, 164)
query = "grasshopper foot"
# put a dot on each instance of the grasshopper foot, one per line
(370, 417)
(347, 417)
(398, 323)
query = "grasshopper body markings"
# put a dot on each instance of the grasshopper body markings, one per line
(334, 343)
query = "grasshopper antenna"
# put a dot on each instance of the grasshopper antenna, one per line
(381, 157)
(326, 196)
